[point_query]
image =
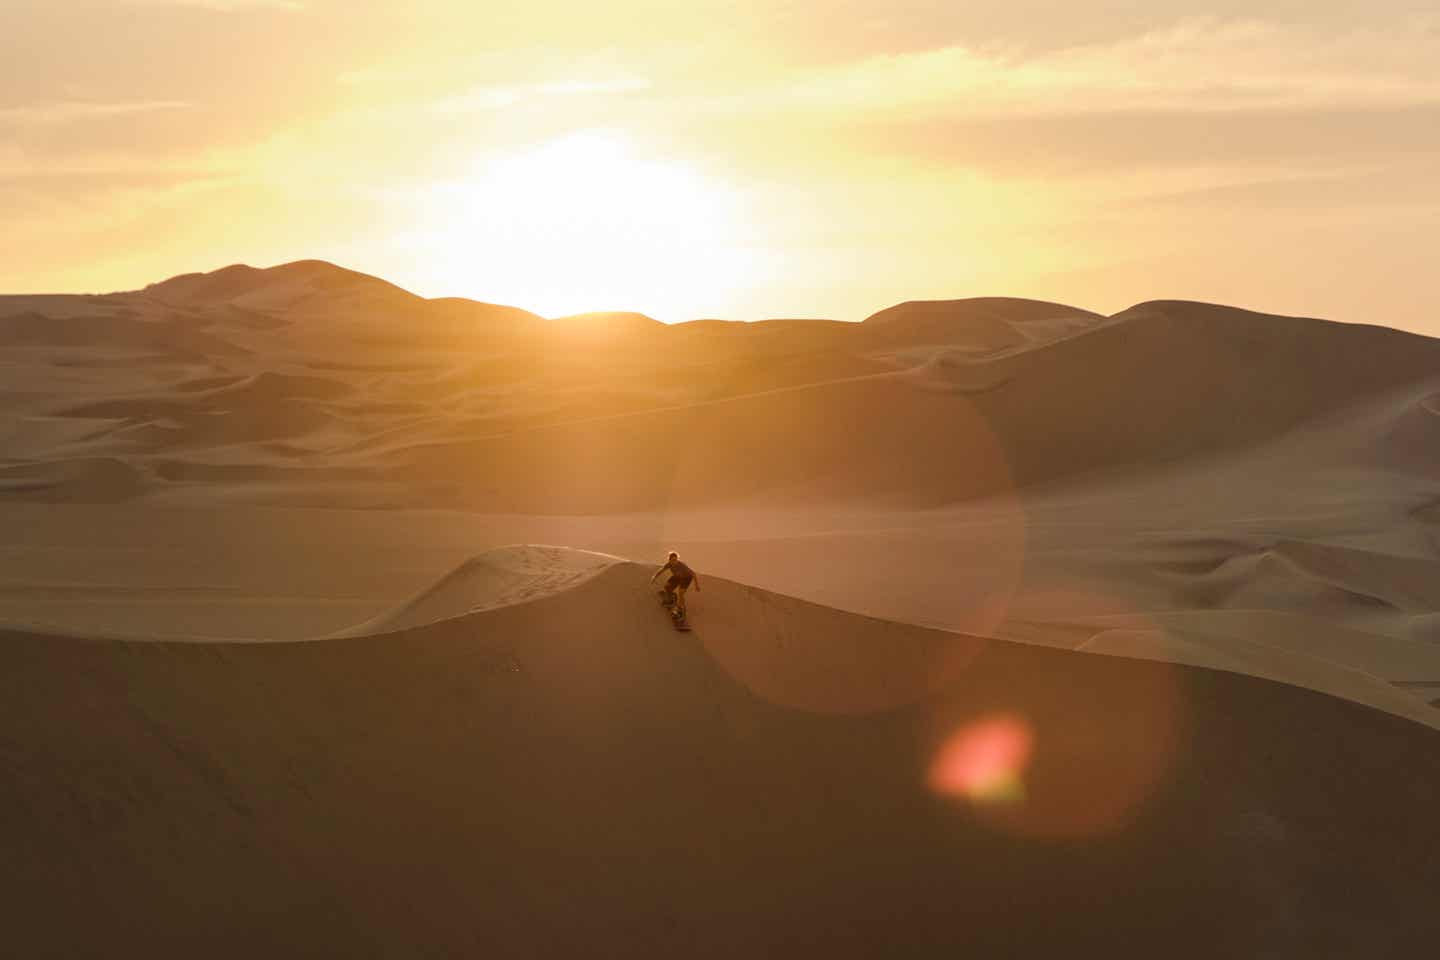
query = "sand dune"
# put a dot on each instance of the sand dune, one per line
(984, 326)
(1173, 570)
(83, 480)
(996, 440)
(497, 578)
(925, 404)
(542, 777)
(303, 282)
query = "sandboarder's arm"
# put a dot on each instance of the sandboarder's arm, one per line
(697, 580)
(656, 576)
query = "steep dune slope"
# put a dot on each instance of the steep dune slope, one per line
(568, 774)
(1169, 380)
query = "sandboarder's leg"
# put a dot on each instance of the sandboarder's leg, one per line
(679, 594)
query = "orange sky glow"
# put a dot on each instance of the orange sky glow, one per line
(736, 160)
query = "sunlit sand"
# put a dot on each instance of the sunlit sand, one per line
(1024, 629)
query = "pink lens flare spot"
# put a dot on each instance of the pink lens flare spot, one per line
(984, 761)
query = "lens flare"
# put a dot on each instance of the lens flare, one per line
(1111, 730)
(984, 762)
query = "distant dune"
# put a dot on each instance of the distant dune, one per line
(564, 771)
(924, 404)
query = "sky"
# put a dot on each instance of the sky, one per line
(800, 158)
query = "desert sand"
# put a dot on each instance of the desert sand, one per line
(290, 669)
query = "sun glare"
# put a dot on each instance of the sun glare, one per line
(587, 221)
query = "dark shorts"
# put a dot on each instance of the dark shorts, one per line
(679, 581)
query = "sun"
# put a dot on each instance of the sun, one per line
(586, 221)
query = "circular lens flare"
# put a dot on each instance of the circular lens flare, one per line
(984, 761)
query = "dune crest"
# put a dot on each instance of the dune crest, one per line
(299, 285)
(496, 578)
(809, 656)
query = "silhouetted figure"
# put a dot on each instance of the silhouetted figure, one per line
(681, 577)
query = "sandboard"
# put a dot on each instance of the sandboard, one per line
(678, 621)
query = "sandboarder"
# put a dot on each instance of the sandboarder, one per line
(681, 577)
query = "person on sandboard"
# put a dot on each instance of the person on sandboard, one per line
(681, 577)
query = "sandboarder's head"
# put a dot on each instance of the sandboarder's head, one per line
(673, 556)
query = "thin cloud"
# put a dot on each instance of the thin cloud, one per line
(1409, 187)
(225, 6)
(1196, 65)
(69, 111)
(497, 97)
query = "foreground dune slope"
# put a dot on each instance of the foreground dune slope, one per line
(567, 775)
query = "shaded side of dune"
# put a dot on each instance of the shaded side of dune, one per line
(313, 375)
(569, 776)
(1168, 383)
